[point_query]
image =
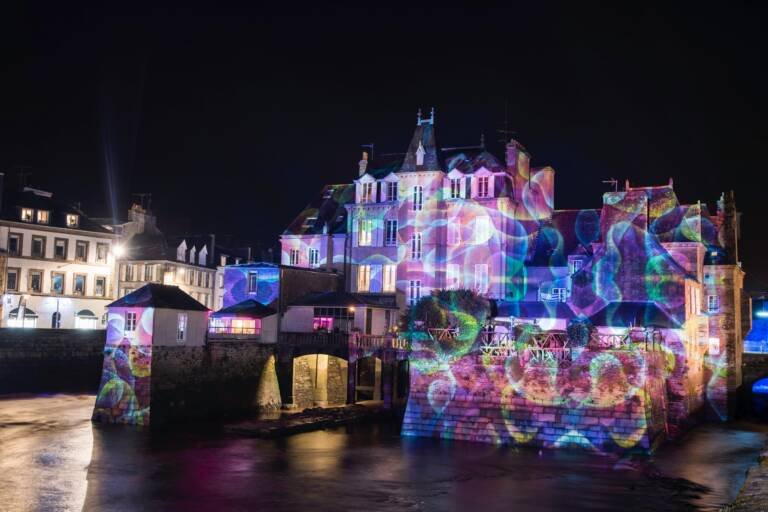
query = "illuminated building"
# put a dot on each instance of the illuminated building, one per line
(58, 264)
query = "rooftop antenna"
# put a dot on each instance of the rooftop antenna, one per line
(506, 132)
(614, 182)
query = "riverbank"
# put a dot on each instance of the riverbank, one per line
(753, 496)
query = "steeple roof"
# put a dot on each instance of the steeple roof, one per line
(423, 140)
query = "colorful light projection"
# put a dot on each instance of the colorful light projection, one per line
(124, 391)
(260, 281)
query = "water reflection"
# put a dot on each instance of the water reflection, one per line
(365, 467)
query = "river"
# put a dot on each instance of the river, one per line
(53, 458)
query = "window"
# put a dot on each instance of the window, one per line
(130, 272)
(60, 248)
(416, 246)
(199, 277)
(181, 330)
(81, 251)
(85, 319)
(73, 220)
(27, 214)
(314, 258)
(294, 257)
(414, 291)
(181, 251)
(482, 229)
(79, 285)
(149, 273)
(253, 282)
(713, 304)
(56, 320)
(57, 283)
(14, 244)
(483, 189)
(38, 247)
(207, 279)
(130, 324)
(35, 281)
(452, 276)
(365, 232)
(576, 265)
(12, 279)
(454, 233)
(390, 232)
(455, 188)
(389, 280)
(418, 198)
(363, 278)
(191, 276)
(391, 191)
(481, 278)
(366, 193)
(333, 319)
(559, 294)
(221, 280)
(100, 286)
(101, 253)
(43, 217)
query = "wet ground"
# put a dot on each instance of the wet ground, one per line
(52, 458)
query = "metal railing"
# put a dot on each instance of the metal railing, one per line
(355, 340)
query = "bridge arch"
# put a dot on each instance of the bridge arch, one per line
(319, 380)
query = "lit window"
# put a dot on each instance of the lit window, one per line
(101, 253)
(576, 265)
(455, 188)
(365, 232)
(481, 278)
(79, 285)
(389, 278)
(390, 232)
(314, 258)
(43, 216)
(366, 193)
(100, 286)
(483, 189)
(181, 331)
(452, 276)
(130, 272)
(27, 214)
(35, 281)
(85, 319)
(294, 257)
(414, 291)
(363, 278)
(253, 282)
(416, 246)
(73, 220)
(57, 283)
(482, 229)
(559, 294)
(130, 324)
(454, 233)
(149, 273)
(713, 304)
(418, 198)
(392, 191)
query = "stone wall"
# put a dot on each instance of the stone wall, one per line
(607, 401)
(50, 360)
(223, 378)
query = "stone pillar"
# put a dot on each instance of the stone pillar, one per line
(285, 375)
(351, 381)
(268, 392)
(320, 383)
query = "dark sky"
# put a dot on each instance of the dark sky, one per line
(234, 118)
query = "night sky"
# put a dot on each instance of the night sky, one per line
(233, 119)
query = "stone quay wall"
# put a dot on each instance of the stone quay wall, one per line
(605, 401)
(50, 360)
(222, 378)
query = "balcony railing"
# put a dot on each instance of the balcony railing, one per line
(234, 333)
(353, 340)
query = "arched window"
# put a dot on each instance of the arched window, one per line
(56, 320)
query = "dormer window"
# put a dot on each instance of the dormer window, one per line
(27, 214)
(181, 250)
(391, 191)
(73, 220)
(202, 256)
(192, 253)
(420, 154)
(309, 222)
(575, 265)
(367, 193)
(43, 217)
(483, 186)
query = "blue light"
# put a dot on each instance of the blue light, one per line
(760, 387)
(762, 314)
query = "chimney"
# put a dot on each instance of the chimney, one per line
(212, 252)
(328, 247)
(729, 229)
(363, 163)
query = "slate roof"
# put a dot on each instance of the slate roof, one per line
(344, 299)
(567, 232)
(248, 308)
(626, 314)
(161, 296)
(470, 160)
(14, 201)
(424, 135)
(328, 206)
